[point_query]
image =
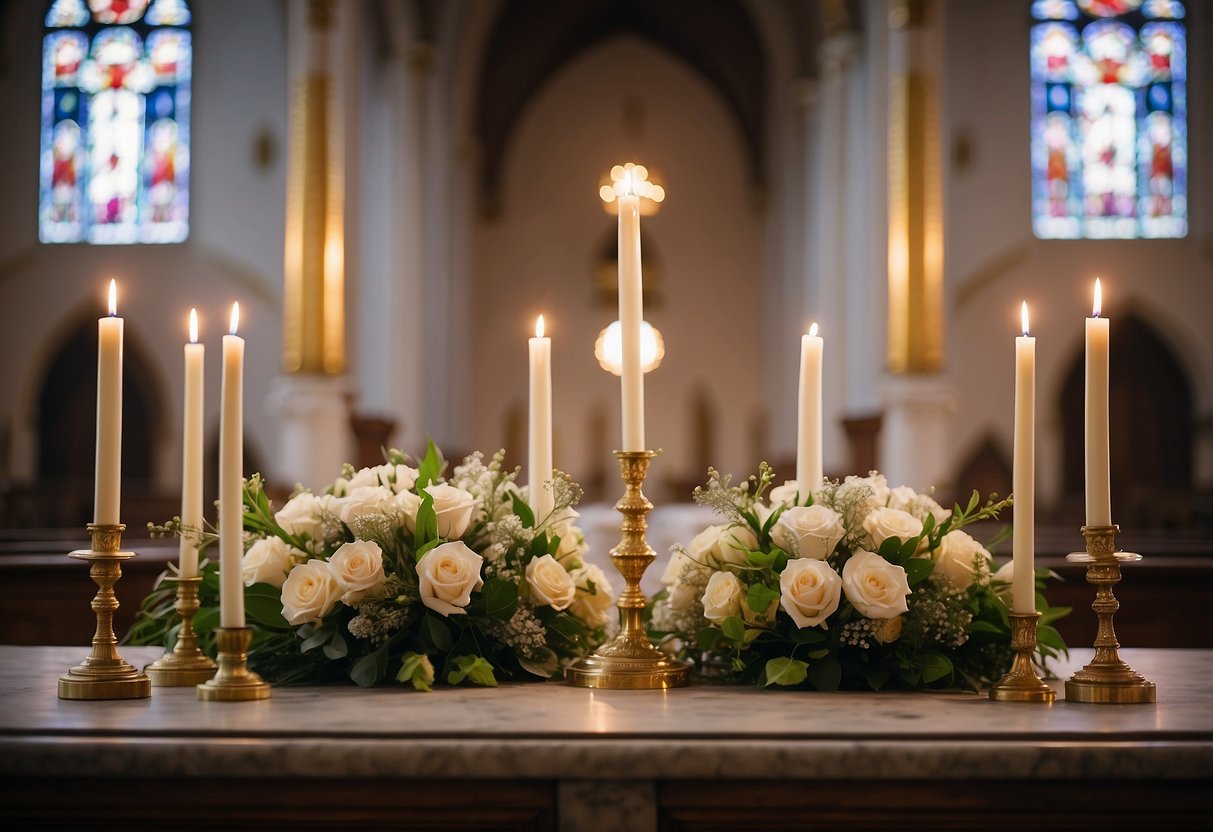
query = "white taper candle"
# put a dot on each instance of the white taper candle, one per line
(107, 486)
(539, 448)
(231, 488)
(1023, 585)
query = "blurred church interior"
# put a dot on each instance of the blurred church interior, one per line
(394, 189)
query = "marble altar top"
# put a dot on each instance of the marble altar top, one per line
(556, 731)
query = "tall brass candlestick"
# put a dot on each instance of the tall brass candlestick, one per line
(629, 661)
(1021, 684)
(185, 664)
(234, 682)
(1107, 679)
(104, 674)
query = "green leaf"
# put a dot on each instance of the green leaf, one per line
(500, 598)
(708, 638)
(985, 627)
(733, 628)
(876, 677)
(417, 670)
(825, 674)
(430, 468)
(785, 671)
(889, 549)
(263, 604)
(918, 569)
(436, 632)
(808, 635)
(523, 511)
(425, 547)
(760, 598)
(427, 523)
(370, 668)
(760, 559)
(475, 669)
(543, 663)
(206, 620)
(935, 666)
(336, 648)
(1048, 636)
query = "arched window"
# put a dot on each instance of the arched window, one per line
(1109, 119)
(115, 122)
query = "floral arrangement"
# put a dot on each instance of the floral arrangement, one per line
(856, 586)
(395, 572)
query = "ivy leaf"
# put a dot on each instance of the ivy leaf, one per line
(500, 598)
(523, 511)
(708, 638)
(760, 597)
(733, 628)
(430, 468)
(785, 671)
(475, 669)
(417, 670)
(935, 666)
(918, 569)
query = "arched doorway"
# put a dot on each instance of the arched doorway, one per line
(1150, 434)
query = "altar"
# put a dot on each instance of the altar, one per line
(550, 756)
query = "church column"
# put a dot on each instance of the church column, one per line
(918, 400)
(311, 399)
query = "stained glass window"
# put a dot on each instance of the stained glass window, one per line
(1109, 119)
(115, 122)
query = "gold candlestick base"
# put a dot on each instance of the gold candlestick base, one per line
(104, 674)
(234, 682)
(1021, 684)
(185, 664)
(630, 661)
(1106, 680)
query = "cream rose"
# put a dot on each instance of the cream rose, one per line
(957, 556)
(447, 575)
(363, 500)
(808, 531)
(883, 523)
(721, 545)
(397, 477)
(920, 505)
(359, 569)
(268, 561)
(875, 587)
(310, 592)
(809, 591)
(889, 631)
(594, 599)
(363, 478)
(723, 596)
(302, 515)
(875, 484)
(673, 568)
(550, 583)
(454, 508)
(785, 494)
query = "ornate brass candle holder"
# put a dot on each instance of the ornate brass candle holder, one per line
(1107, 679)
(629, 661)
(104, 674)
(234, 682)
(1021, 684)
(185, 664)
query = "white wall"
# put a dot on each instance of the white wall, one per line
(234, 251)
(994, 261)
(539, 256)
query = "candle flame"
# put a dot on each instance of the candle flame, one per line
(539, 327)
(628, 186)
(113, 298)
(193, 326)
(813, 329)
(1023, 317)
(1098, 306)
(235, 317)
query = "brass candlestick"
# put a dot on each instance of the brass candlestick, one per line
(234, 682)
(1107, 679)
(104, 674)
(1021, 684)
(630, 661)
(185, 664)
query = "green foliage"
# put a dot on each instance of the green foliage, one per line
(474, 669)
(784, 671)
(415, 668)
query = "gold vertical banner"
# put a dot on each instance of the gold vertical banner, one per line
(915, 257)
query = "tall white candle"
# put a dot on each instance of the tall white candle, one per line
(231, 464)
(1023, 477)
(808, 444)
(107, 486)
(191, 454)
(631, 313)
(539, 449)
(1099, 486)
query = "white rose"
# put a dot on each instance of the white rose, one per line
(340, 487)
(572, 548)
(447, 575)
(454, 508)
(808, 531)
(673, 568)
(594, 599)
(301, 515)
(958, 553)
(875, 587)
(363, 478)
(902, 497)
(883, 523)
(310, 592)
(268, 561)
(359, 569)
(720, 545)
(549, 582)
(397, 477)
(785, 494)
(875, 483)
(363, 500)
(809, 591)
(723, 596)
(920, 505)
(684, 594)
